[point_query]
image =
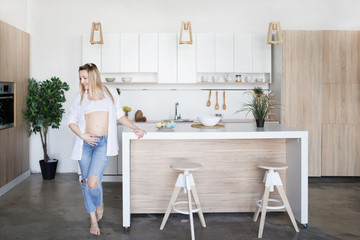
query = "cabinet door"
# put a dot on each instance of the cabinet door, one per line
(129, 48)
(261, 54)
(187, 62)
(167, 57)
(149, 52)
(224, 52)
(110, 53)
(340, 150)
(243, 51)
(91, 53)
(205, 52)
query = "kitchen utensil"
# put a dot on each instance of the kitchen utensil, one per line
(110, 79)
(224, 105)
(202, 126)
(208, 102)
(209, 120)
(217, 103)
(126, 79)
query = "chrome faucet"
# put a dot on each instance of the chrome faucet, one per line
(177, 115)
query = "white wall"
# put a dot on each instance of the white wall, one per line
(56, 27)
(15, 13)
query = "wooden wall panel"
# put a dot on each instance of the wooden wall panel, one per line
(229, 180)
(14, 67)
(301, 89)
(341, 103)
(341, 150)
(341, 58)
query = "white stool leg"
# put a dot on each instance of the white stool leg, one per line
(196, 198)
(168, 210)
(265, 200)
(287, 206)
(256, 215)
(188, 187)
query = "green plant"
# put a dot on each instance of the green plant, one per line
(258, 90)
(259, 104)
(45, 107)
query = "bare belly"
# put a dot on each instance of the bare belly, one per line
(97, 123)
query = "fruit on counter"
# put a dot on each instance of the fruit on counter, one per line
(163, 124)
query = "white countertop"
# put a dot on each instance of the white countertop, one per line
(230, 131)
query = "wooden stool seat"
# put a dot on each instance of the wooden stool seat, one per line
(186, 181)
(272, 165)
(186, 166)
(271, 179)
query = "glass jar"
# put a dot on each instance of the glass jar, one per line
(238, 78)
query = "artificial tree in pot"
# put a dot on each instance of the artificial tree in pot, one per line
(258, 105)
(45, 110)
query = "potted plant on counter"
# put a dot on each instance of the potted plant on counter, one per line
(258, 105)
(45, 110)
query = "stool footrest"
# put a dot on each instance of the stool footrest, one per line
(282, 206)
(194, 210)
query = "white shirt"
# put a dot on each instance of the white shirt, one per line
(76, 115)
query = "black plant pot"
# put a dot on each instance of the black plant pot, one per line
(260, 123)
(48, 170)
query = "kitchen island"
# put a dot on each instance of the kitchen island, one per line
(229, 180)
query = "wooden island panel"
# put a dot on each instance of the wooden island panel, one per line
(229, 180)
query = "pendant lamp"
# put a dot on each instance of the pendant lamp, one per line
(185, 33)
(274, 28)
(95, 28)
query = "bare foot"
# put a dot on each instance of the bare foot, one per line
(94, 226)
(100, 212)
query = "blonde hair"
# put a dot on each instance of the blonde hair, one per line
(94, 81)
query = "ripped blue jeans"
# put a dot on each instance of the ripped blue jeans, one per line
(93, 163)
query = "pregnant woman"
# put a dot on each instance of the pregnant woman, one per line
(93, 117)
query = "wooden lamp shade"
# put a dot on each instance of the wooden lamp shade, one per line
(185, 26)
(274, 26)
(96, 27)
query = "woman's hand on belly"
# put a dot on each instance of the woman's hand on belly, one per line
(91, 139)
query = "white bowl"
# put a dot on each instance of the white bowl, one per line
(110, 79)
(209, 120)
(126, 79)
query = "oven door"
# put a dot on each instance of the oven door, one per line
(6, 110)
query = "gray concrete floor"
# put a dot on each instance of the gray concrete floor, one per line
(54, 209)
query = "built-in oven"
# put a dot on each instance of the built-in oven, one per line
(6, 105)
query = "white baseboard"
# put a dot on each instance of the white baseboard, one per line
(7, 187)
(109, 178)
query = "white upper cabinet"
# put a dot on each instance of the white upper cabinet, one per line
(91, 53)
(110, 56)
(205, 52)
(148, 52)
(167, 58)
(261, 54)
(129, 48)
(243, 53)
(187, 62)
(224, 52)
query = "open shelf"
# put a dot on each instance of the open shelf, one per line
(188, 86)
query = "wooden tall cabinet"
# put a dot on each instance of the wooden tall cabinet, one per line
(321, 93)
(14, 68)
(340, 103)
(301, 89)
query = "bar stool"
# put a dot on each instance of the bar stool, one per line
(271, 179)
(185, 180)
